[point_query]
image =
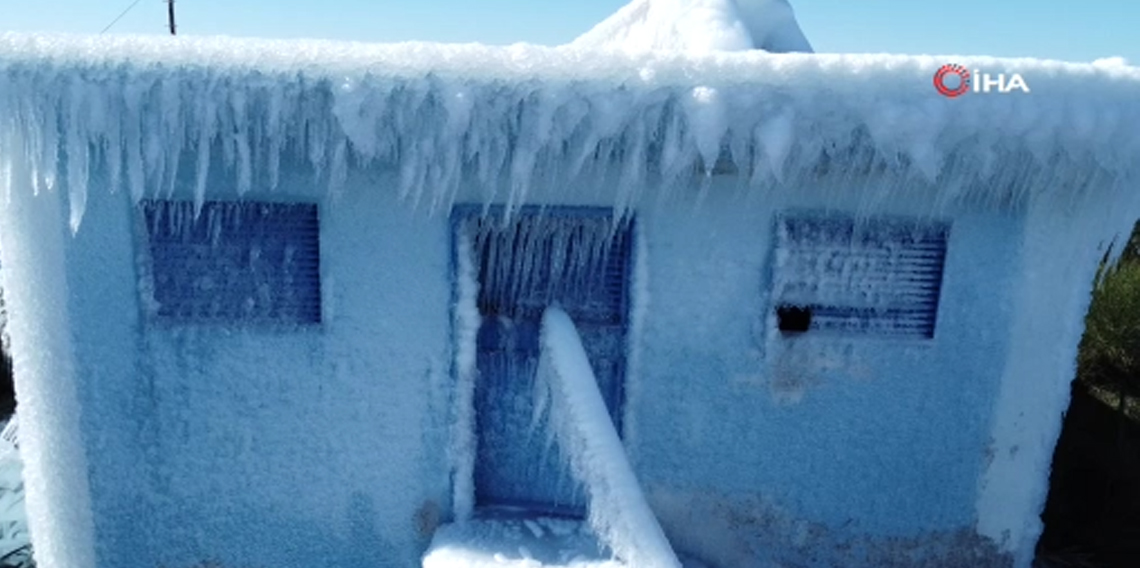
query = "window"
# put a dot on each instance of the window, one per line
(233, 262)
(873, 277)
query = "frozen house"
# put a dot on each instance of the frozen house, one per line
(283, 304)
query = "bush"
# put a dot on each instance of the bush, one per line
(1109, 357)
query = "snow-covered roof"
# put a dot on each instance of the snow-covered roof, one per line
(519, 117)
(700, 25)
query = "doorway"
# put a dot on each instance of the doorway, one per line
(578, 258)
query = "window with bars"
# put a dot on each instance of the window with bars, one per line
(232, 262)
(880, 277)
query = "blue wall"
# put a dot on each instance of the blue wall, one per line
(331, 445)
(270, 447)
(752, 446)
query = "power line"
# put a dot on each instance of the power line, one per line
(120, 16)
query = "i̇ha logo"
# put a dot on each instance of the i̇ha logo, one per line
(953, 81)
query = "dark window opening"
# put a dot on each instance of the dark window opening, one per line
(793, 319)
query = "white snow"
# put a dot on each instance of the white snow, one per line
(519, 543)
(523, 123)
(466, 321)
(697, 26)
(13, 517)
(618, 511)
(527, 124)
(638, 312)
(1035, 389)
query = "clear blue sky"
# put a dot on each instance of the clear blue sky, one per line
(1075, 30)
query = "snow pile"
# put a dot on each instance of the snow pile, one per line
(525, 123)
(521, 543)
(577, 412)
(696, 26)
(13, 519)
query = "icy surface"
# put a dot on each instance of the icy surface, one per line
(696, 26)
(466, 321)
(524, 123)
(13, 517)
(577, 258)
(35, 287)
(618, 511)
(505, 543)
(1035, 389)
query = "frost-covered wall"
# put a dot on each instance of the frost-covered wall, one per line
(826, 450)
(263, 447)
(338, 444)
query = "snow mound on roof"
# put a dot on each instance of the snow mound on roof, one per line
(700, 26)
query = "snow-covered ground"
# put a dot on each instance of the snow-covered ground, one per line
(13, 520)
(538, 542)
(529, 543)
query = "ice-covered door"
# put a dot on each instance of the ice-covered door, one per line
(578, 259)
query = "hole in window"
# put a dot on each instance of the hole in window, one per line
(232, 262)
(793, 319)
(879, 277)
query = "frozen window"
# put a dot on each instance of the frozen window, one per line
(871, 277)
(233, 262)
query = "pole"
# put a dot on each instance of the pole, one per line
(170, 13)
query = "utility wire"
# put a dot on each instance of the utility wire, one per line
(120, 16)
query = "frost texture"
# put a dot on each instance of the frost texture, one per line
(700, 26)
(467, 322)
(618, 511)
(526, 123)
(578, 261)
(507, 543)
(541, 259)
(1046, 331)
(252, 262)
(13, 518)
(881, 277)
(35, 287)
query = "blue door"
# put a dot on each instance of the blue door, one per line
(579, 259)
